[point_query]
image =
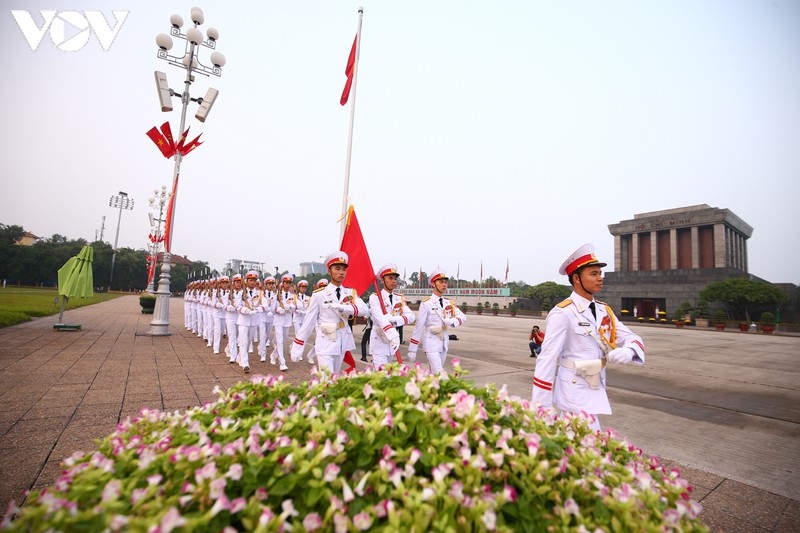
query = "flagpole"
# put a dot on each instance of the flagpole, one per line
(350, 131)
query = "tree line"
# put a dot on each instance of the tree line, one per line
(38, 265)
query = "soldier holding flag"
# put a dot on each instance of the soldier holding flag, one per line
(387, 318)
(327, 314)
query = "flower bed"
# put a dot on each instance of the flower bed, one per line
(399, 450)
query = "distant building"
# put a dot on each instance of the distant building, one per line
(240, 266)
(27, 239)
(665, 258)
(174, 259)
(312, 267)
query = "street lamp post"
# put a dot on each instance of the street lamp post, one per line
(190, 62)
(120, 201)
(159, 199)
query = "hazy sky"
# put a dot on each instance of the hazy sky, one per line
(484, 131)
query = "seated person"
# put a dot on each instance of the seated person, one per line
(536, 338)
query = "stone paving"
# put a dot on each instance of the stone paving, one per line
(61, 390)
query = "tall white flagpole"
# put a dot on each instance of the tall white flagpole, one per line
(350, 132)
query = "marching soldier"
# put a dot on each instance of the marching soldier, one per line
(219, 304)
(235, 298)
(283, 320)
(244, 322)
(436, 316)
(323, 282)
(301, 301)
(583, 335)
(328, 312)
(386, 318)
(265, 317)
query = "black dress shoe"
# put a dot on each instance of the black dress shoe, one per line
(364, 359)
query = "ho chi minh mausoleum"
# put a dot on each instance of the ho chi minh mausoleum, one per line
(665, 258)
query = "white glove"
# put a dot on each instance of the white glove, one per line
(296, 352)
(270, 314)
(452, 322)
(621, 355)
(398, 321)
(346, 310)
(394, 344)
(412, 356)
(231, 308)
(244, 311)
(280, 311)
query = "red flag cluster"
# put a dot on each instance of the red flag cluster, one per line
(163, 139)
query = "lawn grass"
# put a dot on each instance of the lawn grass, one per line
(20, 304)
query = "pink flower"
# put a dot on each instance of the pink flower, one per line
(328, 450)
(235, 472)
(412, 389)
(368, 390)
(287, 506)
(266, 516)
(312, 522)
(111, 490)
(217, 488)
(237, 505)
(388, 419)
(222, 504)
(414, 456)
(510, 493)
(571, 507)
(172, 519)
(362, 521)
(331, 472)
(440, 472)
(387, 452)
(137, 495)
(340, 523)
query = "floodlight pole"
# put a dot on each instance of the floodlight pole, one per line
(120, 201)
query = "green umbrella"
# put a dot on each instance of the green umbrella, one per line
(75, 278)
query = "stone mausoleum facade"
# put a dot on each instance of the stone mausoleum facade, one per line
(665, 258)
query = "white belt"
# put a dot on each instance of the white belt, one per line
(588, 369)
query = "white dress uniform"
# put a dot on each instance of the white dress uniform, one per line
(231, 318)
(436, 316)
(198, 311)
(191, 297)
(575, 338)
(244, 321)
(220, 303)
(208, 314)
(187, 307)
(301, 303)
(384, 325)
(264, 321)
(281, 323)
(327, 316)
